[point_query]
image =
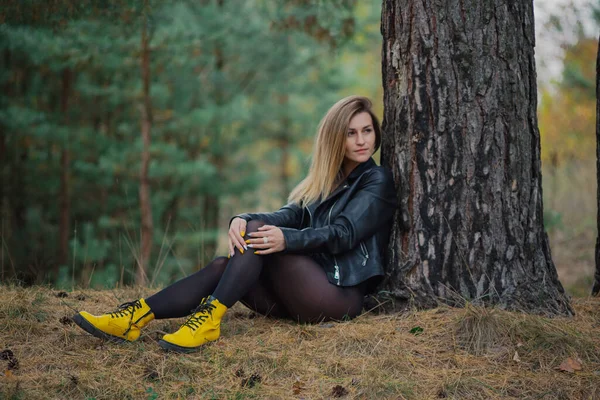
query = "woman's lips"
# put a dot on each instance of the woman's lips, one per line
(361, 151)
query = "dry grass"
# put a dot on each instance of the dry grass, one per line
(459, 354)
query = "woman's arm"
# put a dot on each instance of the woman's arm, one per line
(370, 209)
(289, 216)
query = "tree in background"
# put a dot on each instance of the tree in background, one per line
(596, 285)
(146, 225)
(566, 113)
(462, 137)
(567, 116)
(220, 94)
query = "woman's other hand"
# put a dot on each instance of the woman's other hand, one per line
(275, 240)
(237, 230)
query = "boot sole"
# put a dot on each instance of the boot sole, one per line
(179, 349)
(92, 330)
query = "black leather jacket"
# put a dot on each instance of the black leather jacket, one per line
(348, 232)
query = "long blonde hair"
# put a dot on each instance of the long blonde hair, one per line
(325, 172)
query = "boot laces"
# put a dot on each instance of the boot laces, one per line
(126, 309)
(199, 314)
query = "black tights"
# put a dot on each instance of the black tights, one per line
(279, 285)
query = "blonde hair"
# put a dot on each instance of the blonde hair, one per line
(325, 171)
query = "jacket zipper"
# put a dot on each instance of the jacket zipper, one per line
(310, 217)
(363, 247)
(336, 274)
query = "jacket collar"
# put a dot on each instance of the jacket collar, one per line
(354, 174)
(359, 169)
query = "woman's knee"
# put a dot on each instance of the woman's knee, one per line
(219, 263)
(253, 225)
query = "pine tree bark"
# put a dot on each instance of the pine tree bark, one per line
(596, 287)
(146, 125)
(460, 132)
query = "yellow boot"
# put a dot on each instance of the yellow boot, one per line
(203, 326)
(121, 325)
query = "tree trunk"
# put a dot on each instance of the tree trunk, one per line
(460, 131)
(284, 146)
(146, 124)
(4, 165)
(3, 213)
(212, 206)
(210, 223)
(65, 162)
(596, 287)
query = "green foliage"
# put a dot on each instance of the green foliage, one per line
(229, 81)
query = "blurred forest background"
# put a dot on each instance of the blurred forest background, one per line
(169, 117)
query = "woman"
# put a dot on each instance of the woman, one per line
(312, 260)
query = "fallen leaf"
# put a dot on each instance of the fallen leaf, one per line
(339, 391)
(516, 357)
(297, 387)
(570, 365)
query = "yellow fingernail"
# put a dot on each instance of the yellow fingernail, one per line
(228, 255)
(242, 233)
(248, 241)
(242, 251)
(256, 252)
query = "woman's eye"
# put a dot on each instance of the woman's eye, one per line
(350, 133)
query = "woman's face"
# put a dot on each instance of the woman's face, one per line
(360, 141)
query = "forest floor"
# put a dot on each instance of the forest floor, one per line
(452, 353)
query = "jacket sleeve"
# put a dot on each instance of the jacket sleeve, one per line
(289, 215)
(368, 211)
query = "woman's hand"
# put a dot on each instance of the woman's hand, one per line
(275, 240)
(237, 230)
